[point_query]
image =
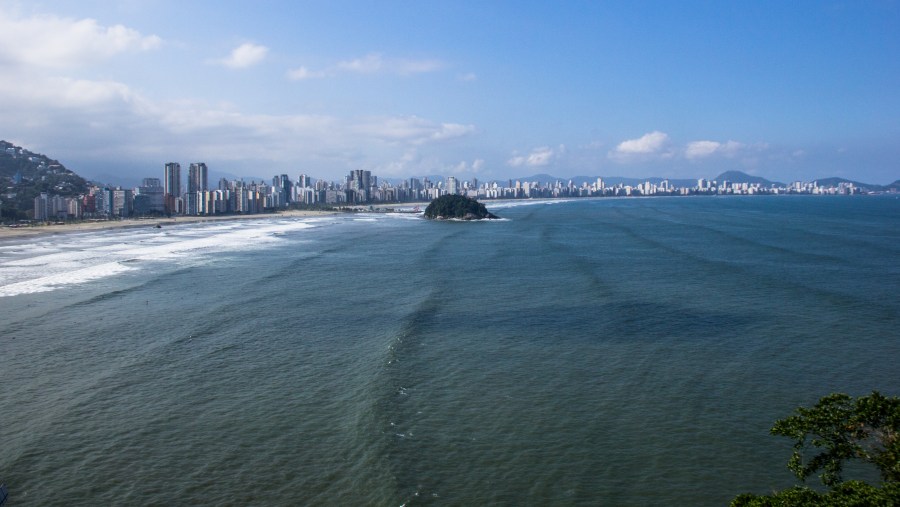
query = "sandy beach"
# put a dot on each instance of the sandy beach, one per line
(38, 230)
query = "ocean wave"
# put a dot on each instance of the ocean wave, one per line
(52, 282)
(519, 203)
(42, 267)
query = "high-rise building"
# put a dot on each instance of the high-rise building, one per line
(198, 178)
(122, 202)
(172, 190)
(359, 183)
(150, 197)
(284, 187)
(197, 183)
(42, 207)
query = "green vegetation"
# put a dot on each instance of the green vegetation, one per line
(850, 493)
(457, 206)
(24, 175)
(836, 430)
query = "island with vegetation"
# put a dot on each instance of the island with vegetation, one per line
(457, 207)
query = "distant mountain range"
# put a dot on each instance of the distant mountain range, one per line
(741, 177)
(731, 176)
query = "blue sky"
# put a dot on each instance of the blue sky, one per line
(784, 90)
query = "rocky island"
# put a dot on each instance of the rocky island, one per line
(457, 207)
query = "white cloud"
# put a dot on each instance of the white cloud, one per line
(730, 149)
(54, 42)
(538, 157)
(59, 92)
(516, 161)
(373, 63)
(410, 129)
(653, 145)
(646, 144)
(243, 56)
(451, 131)
(733, 148)
(84, 117)
(406, 67)
(700, 149)
(108, 120)
(467, 78)
(464, 167)
(367, 65)
(302, 73)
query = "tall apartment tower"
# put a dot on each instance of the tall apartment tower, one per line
(198, 178)
(172, 190)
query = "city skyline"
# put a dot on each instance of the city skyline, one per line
(155, 196)
(495, 91)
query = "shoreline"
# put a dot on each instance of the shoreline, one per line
(49, 230)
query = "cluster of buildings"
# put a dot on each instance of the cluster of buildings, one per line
(171, 196)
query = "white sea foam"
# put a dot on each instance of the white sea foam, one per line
(42, 266)
(406, 215)
(528, 202)
(54, 281)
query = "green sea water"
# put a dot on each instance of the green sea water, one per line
(589, 352)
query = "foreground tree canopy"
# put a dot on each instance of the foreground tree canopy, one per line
(457, 206)
(836, 430)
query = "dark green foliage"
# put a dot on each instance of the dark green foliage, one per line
(866, 429)
(850, 493)
(9, 213)
(836, 430)
(457, 206)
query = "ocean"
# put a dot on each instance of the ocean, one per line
(585, 352)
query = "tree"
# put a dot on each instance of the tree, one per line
(457, 206)
(840, 429)
(866, 429)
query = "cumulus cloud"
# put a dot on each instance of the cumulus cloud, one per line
(373, 63)
(646, 144)
(108, 120)
(85, 119)
(55, 42)
(733, 148)
(700, 149)
(538, 157)
(243, 56)
(653, 145)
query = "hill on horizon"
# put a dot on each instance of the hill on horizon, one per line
(834, 181)
(742, 177)
(24, 175)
